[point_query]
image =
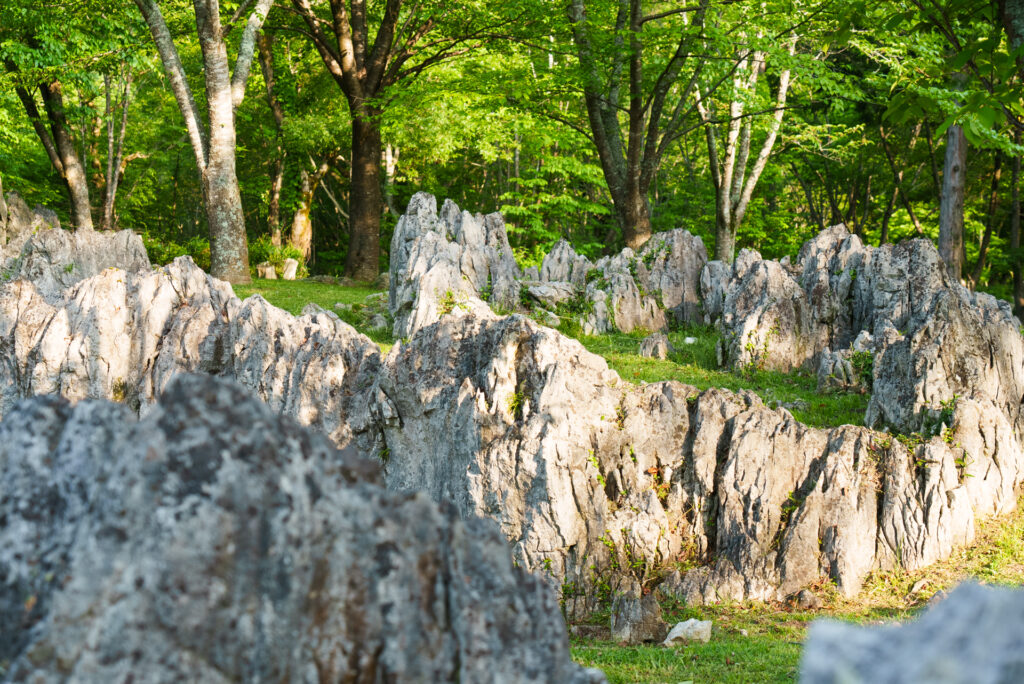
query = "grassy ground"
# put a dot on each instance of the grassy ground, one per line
(769, 645)
(696, 364)
(292, 295)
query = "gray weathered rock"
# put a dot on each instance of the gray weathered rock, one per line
(54, 260)
(123, 336)
(688, 631)
(975, 636)
(674, 262)
(655, 346)
(550, 294)
(637, 619)
(714, 282)
(382, 281)
(453, 256)
(583, 471)
(22, 223)
(216, 541)
(562, 264)
(266, 271)
(290, 269)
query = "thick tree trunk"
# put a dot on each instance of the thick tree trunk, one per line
(74, 170)
(362, 261)
(634, 217)
(951, 207)
(302, 227)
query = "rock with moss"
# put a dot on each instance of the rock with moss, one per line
(451, 255)
(975, 635)
(656, 346)
(215, 540)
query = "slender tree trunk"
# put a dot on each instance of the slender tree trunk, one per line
(72, 168)
(362, 261)
(265, 43)
(951, 207)
(302, 226)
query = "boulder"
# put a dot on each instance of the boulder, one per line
(637, 619)
(562, 264)
(123, 336)
(454, 256)
(689, 631)
(54, 260)
(674, 262)
(289, 269)
(714, 282)
(656, 346)
(22, 223)
(217, 541)
(975, 636)
(266, 271)
(550, 294)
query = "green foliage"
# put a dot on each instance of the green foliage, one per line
(262, 250)
(165, 251)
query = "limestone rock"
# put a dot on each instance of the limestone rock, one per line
(583, 471)
(266, 271)
(22, 223)
(550, 294)
(690, 630)
(674, 262)
(974, 636)
(54, 260)
(217, 541)
(382, 281)
(637, 620)
(290, 269)
(655, 346)
(714, 282)
(123, 336)
(563, 264)
(451, 256)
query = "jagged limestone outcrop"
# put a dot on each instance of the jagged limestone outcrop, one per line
(217, 541)
(448, 260)
(123, 336)
(600, 483)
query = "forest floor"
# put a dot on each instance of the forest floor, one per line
(751, 642)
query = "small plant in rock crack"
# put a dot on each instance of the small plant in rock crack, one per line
(863, 363)
(620, 417)
(592, 458)
(449, 301)
(757, 350)
(69, 268)
(515, 404)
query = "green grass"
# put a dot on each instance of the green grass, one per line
(292, 295)
(770, 650)
(696, 364)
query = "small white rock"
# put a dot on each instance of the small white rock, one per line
(689, 340)
(691, 630)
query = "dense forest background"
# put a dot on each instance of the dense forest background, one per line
(305, 126)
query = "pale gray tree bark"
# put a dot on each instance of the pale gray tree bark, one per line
(213, 141)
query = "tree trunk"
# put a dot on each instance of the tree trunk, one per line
(229, 249)
(634, 217)
(951, 207)
(74, 171)
(302, 227)
(274, 208)
(264, 43)
(362, 261)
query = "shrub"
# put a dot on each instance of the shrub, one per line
(261, 250)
